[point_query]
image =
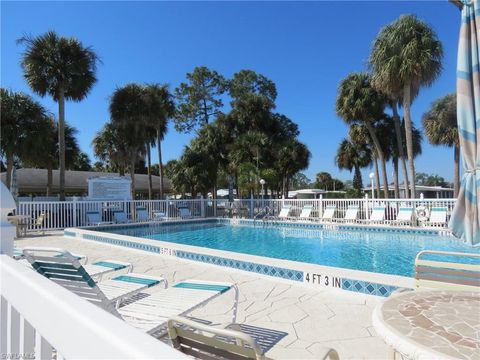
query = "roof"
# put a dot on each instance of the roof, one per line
(35, 180)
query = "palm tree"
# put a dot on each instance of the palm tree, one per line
(359, 103)
(128, 112)
(160, 108)
(440, 124)
(407, 55)
(21, 119)
(353, 156)
(62, 68)
(109, 147)
(44, 153)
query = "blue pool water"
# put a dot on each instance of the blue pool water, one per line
(381, 252)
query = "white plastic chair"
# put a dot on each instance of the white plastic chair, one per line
(329, 212)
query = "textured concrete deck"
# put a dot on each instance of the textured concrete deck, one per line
(300, 321)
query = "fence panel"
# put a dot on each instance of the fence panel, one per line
(62, 214)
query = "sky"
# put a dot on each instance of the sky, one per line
(306, 48)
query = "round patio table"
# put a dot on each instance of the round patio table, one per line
(430, 324)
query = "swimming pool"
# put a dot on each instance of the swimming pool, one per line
(378, 252)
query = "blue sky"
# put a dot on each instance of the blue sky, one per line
(306, 48)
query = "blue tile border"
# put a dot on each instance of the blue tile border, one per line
(366, 287)
(279, 272)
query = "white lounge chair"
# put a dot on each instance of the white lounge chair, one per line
(329, 212)
(94, 218)
(377, 215)
(101, 268)
(404, 216)
(207, 342)
(284, 213)
(184, 212)
(120, 217)
(152, 313)
(202, 341)
(438, 217)
(306, 212)
(63, 268)
(142, 214)
(351, 214)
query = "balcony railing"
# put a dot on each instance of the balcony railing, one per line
(41, 320)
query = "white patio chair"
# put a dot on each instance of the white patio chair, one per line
(329, 212)
(120, 217)
(438, 217)
(284, 213)
(184, 213)
(404, 216)
(62, 267)
(306, 212)
(142, 214)
(351, 214)
(94, 218)
(377, 215)
(202, 341)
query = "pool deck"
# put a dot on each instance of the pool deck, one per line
(302, 321)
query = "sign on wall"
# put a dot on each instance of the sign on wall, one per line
(109, 188)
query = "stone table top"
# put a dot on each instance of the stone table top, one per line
(431, 324)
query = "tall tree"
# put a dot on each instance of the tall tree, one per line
(359, 103)
(21, 119)
(45, 154)
(440, 124)
(110, 147)
(409, 56)
(160, 108)
(353, 156)
(62, 68)
(247, 82)
(128, 112)
(199, 99)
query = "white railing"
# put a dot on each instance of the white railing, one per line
(63, 214)
(41, 320)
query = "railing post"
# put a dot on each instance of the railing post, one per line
(251, 207)
(74, 210)
(202, 206)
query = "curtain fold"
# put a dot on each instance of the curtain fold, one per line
(465, 220)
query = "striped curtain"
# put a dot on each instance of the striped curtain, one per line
(465, 220)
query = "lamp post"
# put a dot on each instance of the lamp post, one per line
(262, 182)
(372, 176)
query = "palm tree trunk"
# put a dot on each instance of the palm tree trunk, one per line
(9, 170)
(380, 155)
(395, 177)
(149, 165)
(408, 135)
(456, 175)
(401, 154)
(377, 177)
(160, 165)
(61, 142)
(49, 179)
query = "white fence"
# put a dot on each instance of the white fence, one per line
(41, 320)
(63, 214)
